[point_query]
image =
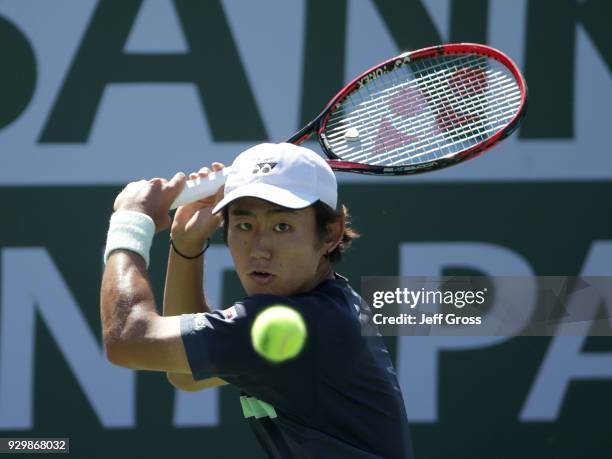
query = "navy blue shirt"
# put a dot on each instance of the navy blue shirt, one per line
(339, 398)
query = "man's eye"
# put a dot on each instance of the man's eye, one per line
(281, 227)
(243, 226)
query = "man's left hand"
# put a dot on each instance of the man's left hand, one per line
(152, 197)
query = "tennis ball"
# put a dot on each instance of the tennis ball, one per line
(278, 333)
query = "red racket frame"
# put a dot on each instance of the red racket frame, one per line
(319, 123)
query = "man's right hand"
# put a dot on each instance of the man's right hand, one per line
(193, 223)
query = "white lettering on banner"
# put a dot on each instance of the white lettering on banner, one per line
(196, 409)
(31, 283)
(564, 361)
(199, 409)
(157, 29)
(138, 124)
(418, 356)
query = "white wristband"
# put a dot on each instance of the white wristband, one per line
(129, 230)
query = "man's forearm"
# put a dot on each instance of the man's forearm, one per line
(135, 336)
(126, 299)
(184, 287)
(183, 294)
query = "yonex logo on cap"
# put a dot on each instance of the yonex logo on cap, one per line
(264, 168)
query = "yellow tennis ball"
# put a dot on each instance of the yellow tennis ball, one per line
(278, 333)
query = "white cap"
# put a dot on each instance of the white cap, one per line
(282, 173)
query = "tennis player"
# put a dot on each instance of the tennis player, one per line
(339, 398)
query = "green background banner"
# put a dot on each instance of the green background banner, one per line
(94, 94)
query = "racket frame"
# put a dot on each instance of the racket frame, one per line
(319, 123)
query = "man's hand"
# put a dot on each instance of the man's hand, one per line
(194, 223)
(151, 197)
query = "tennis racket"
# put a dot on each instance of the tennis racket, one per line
(420, 111)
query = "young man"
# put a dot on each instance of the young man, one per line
(339, 398)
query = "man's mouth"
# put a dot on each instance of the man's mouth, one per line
(261, 277)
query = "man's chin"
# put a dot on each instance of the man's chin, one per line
(274, 288)
(254, 286)
(263, 289)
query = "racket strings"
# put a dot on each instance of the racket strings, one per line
(443, 117)
(444, 120)
(423, 111)
(426, 137)
(400, 110)
(385, 137)
(397, 79)
(399, 159)
(413, 105)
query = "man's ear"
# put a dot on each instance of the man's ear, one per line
(335, 232)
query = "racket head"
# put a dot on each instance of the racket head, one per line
(421, 111)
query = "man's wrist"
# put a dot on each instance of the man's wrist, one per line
(189, 252)
(187, 244)
(132, 208)
(130, 230)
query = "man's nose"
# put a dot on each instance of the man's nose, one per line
(261, 247)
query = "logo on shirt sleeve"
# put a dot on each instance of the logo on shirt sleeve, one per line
(230, 313)
(199, 321)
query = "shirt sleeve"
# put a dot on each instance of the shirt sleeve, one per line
(219, 343)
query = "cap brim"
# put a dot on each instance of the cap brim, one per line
(270, 193)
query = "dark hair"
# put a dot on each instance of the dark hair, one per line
(324, 215)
